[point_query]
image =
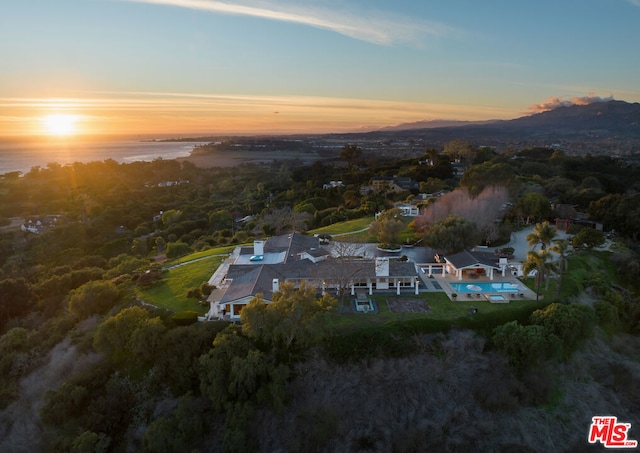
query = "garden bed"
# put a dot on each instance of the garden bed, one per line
(407, 305)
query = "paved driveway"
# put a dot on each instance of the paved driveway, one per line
(519, 243)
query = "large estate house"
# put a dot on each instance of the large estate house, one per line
(294, 258)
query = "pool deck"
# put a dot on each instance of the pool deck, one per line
(524, 293)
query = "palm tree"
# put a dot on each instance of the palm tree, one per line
(561, 247)
(542, 234)
(540, 262)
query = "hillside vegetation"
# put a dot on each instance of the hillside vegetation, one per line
(100, 349)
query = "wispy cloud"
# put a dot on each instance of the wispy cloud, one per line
(376, 27)
(634, 2)
(150, 112)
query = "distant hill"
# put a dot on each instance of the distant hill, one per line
(611, 127)
(431, 124)
(602, 118)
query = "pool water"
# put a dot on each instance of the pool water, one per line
(484, 287)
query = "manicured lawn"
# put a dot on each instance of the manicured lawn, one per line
(201, 255)
(344, 227)
(352, 231)
(171, 293)
(442, 308)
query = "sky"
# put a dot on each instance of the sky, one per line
(188, 67)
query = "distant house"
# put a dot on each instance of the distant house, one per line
(295, 258)
(332, 184)
(408, 210)
(172, 183)
(393, 184)
(39, 225)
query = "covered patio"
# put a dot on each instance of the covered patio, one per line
(468, 264)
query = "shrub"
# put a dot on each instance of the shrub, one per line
(94, 297)
(185, 318)
(148, 278)
(572, 323)
(177, 249)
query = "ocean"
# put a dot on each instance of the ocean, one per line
(23, 155)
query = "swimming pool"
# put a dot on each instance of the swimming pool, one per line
(484, 287)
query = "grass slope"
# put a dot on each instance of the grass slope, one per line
(182, 275)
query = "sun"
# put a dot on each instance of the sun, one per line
(60, 124)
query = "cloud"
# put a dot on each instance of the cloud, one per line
(376, 27)
(634, 2)
(555, 102)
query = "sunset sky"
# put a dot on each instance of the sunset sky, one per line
(202, 66)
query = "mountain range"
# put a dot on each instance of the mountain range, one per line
(611, 116)
(576, 128)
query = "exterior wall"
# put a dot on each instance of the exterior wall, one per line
(382, 283)
(234, 308)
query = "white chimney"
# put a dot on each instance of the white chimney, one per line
(258, 248)
(275, 285)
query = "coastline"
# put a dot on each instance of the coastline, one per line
(234, 158)
(22, 156)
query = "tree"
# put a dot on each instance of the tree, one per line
(293, 318)
(478, 177)
(217, 368)
(124, 264)
(572, 323)
(94, 297)
(220, 219)
(460, 149)
(542, 234)
(387, 227)
(540, 263)
(132, 333)
(588, 237)
(160, 244)
(561, 247)
(140, 247)
(90, 442)
(180, 349)
(171, 216)
(451, 235)
(526, 347)
(177, 249)
(16, 299)
(433, 155)
(350, 154)
(627, 216)
(183, 430)
(533, 206)
(483, 209)
(280, 220)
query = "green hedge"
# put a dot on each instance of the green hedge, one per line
(185, 318)
(396, 339)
